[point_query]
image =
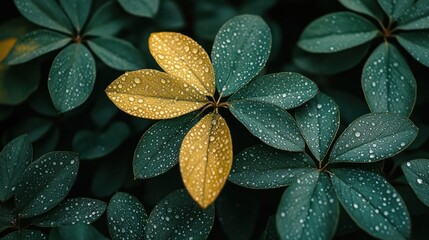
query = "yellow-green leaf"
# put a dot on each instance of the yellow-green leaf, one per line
(152, 94)
(5, 46)
(205, 158)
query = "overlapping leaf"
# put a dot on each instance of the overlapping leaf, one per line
(417, 44)
(393, 8)
(77, 11)
(142, 8)
(417, 174)
(368, 7)
(415, 17)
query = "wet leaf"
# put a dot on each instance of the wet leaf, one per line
(319, 120)
(417, 44)
(372, 203)
(77, 11)
(141, 8)
(25, 234)
(262, 167)
(107, 20)
(368, 7)
(126, 217)
(17, 83)
(240, 50)
(415, 17)
(417, 174)
(178, 217)
(337, 31)
(205, 158)
(79, 231)
(373, 137)
(45, 183)
(394, 9)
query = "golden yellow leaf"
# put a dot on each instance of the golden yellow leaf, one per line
(206, 158)
(182, 57)
(5, 46)
(152, 94)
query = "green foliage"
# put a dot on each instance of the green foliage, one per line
(142, 8)
(76, 232)
(418, 177)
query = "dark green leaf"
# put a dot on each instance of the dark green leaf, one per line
(286, 90)
(372, 202)
(368, 7)
(76, 232)
(35, 127)
(169, 15)
(270, 232)
(393, 8)
(45, 183)
(103, 111)
(141, 8)
(126, 217)
(14, 28)
(41, 103)
(25, 234)
(14, 158)
(417, 44)
(319, 120)
(17, 83)
(308, 209)
(109, 178)
(373, 137)
(177, 216)
(270, 123)
(106, 21)
(240, 50)
(210, 16)
(71, 77)
(257, 7)
(335, 32)
(417, 174)
(415, 17)
(77, 11)
(265, 167)
(387, 81)
(7, 217)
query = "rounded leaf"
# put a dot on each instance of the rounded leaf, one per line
(79, 231)
(17, 83)
(26, 234)
(393, 8)
(417, 174)
(141, 8)
(107, 20)
(368, 7)
(415, 17)
(417, 44)
(77, 11)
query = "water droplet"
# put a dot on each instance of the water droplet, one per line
(137, 80)
(319, 106)
(357, 134)
(131, 99)
(419, 180)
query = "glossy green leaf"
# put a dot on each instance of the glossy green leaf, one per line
(72, 211)
(77, 11)
(45, 183)
(262, 167)
(393, 8)
(141, 8)
(270, 123)
(415, 17)
(76, 232)
(308, 209)
(106, 21)
(210, 15)
(388, 82)
(126, 217)
(159, 147)
(368, 7)
(417, 44)
(169, 15)
(14, 158)
(26, 234)
(372, 203)
(17, 83)
(335, 32)
(71, 77)
(116, 53)
(240, 50)
(417, 174)
(319, 120)
(177, 216)
(46, 13)
(286, 90)
(373, 137)
(109, 177)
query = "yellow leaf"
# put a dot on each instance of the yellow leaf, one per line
(182, 57)
(152, 94)
(5, 46)
(206, 158)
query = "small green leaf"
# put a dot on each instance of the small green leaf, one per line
(79, 231)
(393, 8)
(417, 174)
(373, 137)
(337, 31)
(388, 82)
(262, 167)
(286, 90)
(417, 44)
(141, 8)
(45, 183)
(17, 83)
(415, 17)
(126, 217)
(169, 15)
(240, 50)
(308, 209)
(25, 234)
(77, 11)
(106, 21)
(368, 7)
(276, 128)
(71, 77)
(319, 120)
(372, 202)
(177, 216)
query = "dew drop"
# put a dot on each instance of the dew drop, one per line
(357, 134)
(319, 106)
(419, 181)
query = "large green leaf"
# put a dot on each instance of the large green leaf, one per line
(417, 174)
(262, 167)
(126, 217)
(335, 32)
(308, 209)
(25, 234)
(372, 203)
(270, 123)
(394, 8)
(77, 11)
(45, 183)
(71, 77)
(415, 17)
(388, 82)
(79, 231)
(14, 158)
(106, 21)
(373, 137)
(141, 8)
(240, 50)
(368, 7)
(286, 90)
(177, 216)
(417, 44)
(17, 83)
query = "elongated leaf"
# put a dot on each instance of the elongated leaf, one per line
(45, 183)
(372, 202)
(417, 174)
(417, 44)
(25, 234)
(393, 8)
(126, 217)
(319, 120)
(205, 158)
(308, 209)
(270, 123)
(46, 13)
(14, 158)
(106, 21)
(373, 137)
(368, 7)
(415, 17)
(178, 217)
(388, 82)
(17, 83)
(77, 11)
(71, 77)
(335, 32)
(286, 90)
(240, 50)
(79, 231)
(262, 167)
(141, 8)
